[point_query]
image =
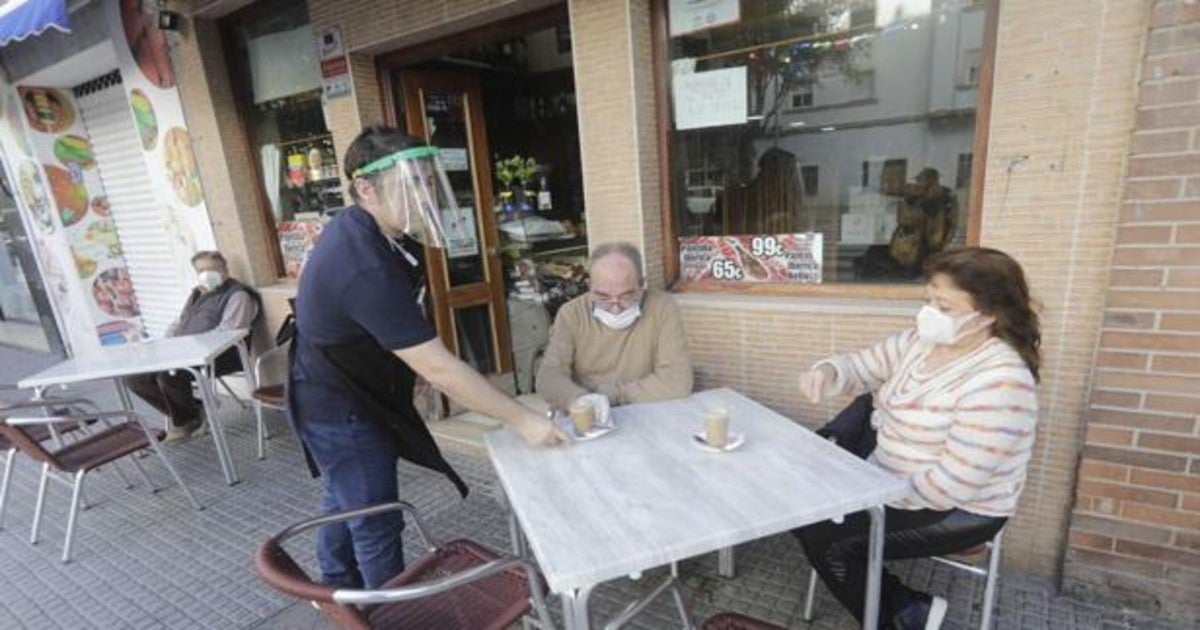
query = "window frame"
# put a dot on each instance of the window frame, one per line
(659, 43)
(243, 102)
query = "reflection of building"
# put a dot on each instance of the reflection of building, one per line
(1049, 190)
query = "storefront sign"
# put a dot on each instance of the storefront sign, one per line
(794, 258)
(709, 99)
(689, 16)
(329, 44)
(335, 77)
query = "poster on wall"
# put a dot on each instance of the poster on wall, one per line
(143, 58)
(689, 16)
(296, 241)
(777, 258)
(59, 142)
(38, 211)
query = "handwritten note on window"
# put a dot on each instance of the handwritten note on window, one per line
(710, 99)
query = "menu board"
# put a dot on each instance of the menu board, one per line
(776, 258)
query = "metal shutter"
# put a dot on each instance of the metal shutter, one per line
(104, 109)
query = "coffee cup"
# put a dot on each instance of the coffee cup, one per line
(716, 427)
(583, 415)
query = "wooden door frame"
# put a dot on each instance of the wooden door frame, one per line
(491, 291)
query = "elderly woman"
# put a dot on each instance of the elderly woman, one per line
(954, 413)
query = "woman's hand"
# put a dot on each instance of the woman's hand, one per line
(540, 431)
(817, 382)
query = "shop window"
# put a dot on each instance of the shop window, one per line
(820, 142)
(272, 57)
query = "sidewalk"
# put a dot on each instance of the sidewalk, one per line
(149, 561)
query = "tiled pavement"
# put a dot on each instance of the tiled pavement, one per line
(149, 561)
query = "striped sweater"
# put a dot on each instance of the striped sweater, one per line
(962, 434)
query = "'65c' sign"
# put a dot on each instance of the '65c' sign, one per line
(794, 258)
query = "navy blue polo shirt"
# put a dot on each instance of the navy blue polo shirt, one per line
(354, 286)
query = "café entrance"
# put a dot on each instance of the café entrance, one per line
(499, 103)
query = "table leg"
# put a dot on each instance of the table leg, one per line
(725, 566)
(575, 608)
(517, 536)
(874, 568)
(214, 423)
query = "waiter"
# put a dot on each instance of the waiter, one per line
(361, 335)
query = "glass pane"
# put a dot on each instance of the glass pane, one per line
(447, 128)
(473, 326)
(855, 132)
(291, 144)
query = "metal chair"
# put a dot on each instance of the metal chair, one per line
(78, 458)
(268, 364)
(459, 584)
(40, 433)
(990, 572)
(734, 621)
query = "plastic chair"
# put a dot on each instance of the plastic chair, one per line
(84, 455)
(990, 572)
(268, 396)
(459, 584)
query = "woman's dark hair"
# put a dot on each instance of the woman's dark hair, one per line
(371, 144)
(998, 287)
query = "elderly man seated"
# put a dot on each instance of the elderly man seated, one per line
(619, 343)
(218, 302)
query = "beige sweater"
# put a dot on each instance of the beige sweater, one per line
(646, 362)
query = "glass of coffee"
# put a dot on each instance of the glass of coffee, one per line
(716, 427)
(583, 416)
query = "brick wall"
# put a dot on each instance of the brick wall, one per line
(1135, 529)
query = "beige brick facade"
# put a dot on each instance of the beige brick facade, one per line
(1135, 529)
(1065, 101)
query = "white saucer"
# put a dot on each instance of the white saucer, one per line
(598, 430)
(735, 441)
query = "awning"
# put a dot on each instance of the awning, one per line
(22, 18)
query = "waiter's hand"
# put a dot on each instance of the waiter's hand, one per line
(540, 431)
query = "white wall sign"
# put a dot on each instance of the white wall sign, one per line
(710, 99)
(453, 159)
(688, 16)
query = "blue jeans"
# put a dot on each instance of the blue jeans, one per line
(357, 459)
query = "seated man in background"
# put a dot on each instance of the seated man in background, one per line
(217, 303)
(619, 343)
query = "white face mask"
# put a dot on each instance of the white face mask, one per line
(618, 321)
(934, 326)
(209, 279)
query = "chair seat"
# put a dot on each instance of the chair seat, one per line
(491, 603)
(103, 447)
(270, 395)
(734, 621)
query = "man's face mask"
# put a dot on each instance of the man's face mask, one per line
(208, 279)
(414, 190)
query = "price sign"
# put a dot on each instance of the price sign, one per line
(785, 258)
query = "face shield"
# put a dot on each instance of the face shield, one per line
(413, 187)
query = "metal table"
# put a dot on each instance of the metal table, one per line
(645, 496)
(192, 353)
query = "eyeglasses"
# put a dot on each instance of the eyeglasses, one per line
(625, 300)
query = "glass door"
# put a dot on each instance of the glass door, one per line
(26, 320)
(466, 279)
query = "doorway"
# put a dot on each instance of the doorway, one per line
(26, 319)
(499, 103)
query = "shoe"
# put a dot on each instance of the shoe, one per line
(177, 435)
(922, 613)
